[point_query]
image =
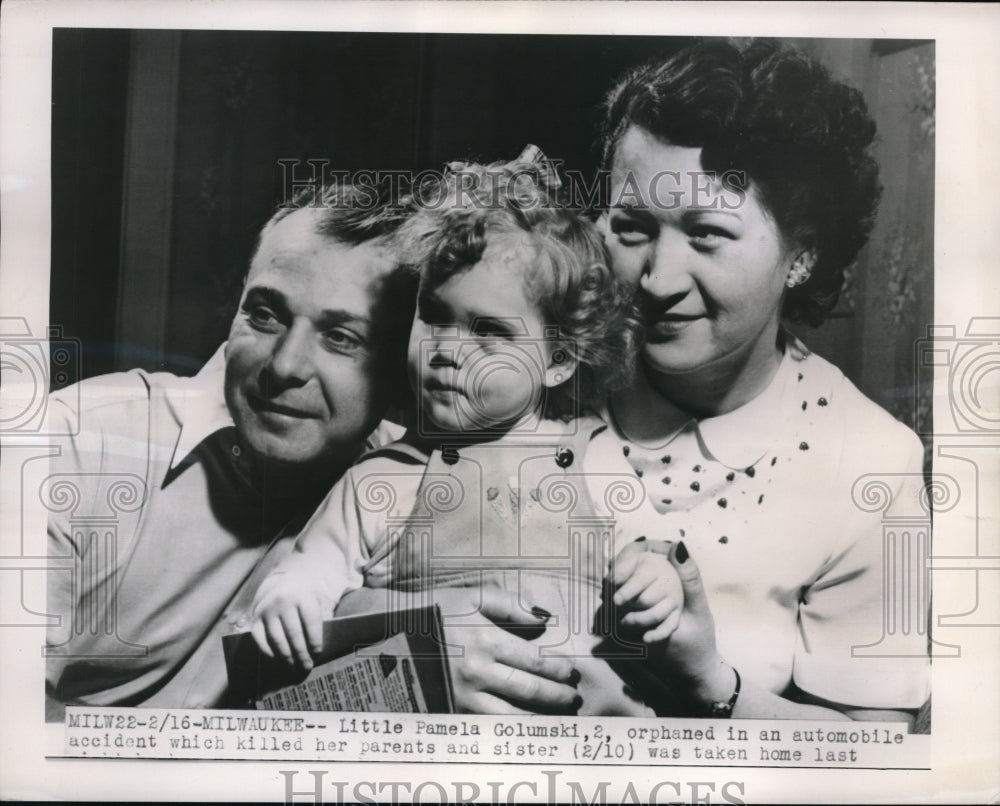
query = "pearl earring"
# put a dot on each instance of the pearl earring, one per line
(800, 271)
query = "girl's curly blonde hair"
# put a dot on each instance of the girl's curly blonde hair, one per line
(567, 273)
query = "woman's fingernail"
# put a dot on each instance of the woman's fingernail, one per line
(574, 677)
(540, 613)
(638, 539)
(577, 702)
(682, 553)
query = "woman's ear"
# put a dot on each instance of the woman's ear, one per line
(801, 268)
(562, 364)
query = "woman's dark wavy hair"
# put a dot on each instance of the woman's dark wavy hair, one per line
(565, 265)
(800, 137)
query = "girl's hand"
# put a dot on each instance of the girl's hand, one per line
(647, 589)
(289, 609)
(691, 654)
(662, 581)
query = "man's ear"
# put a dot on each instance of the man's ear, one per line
(562, 364)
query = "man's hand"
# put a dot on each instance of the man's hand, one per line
(289, 610)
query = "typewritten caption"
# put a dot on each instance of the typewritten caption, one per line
(325, 736)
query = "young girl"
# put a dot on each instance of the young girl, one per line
(504, 480)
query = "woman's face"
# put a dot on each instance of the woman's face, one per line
(708, 262)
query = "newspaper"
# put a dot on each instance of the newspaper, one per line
(386, 682)
(357, 670)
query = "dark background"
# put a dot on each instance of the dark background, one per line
(167, 149)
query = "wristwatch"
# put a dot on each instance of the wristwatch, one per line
(724, 710)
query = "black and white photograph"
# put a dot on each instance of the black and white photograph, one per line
(431, 410)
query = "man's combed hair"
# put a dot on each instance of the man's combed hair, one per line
(800, 137)
(564, 260)
(347, 213)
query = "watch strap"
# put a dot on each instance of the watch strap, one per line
(724, 710)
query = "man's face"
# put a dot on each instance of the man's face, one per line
(302, 360)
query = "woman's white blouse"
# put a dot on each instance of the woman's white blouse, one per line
(779, 504)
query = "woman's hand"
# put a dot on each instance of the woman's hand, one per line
(661, 588)
(690, 655)
(658, 588)
(691, 659)
(493, 669)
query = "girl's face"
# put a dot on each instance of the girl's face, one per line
(479, 356)
(709, 264)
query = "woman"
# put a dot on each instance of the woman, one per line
(748, 447)
(741, 188)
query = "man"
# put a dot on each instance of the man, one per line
(179, 494)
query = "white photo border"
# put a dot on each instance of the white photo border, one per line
(965, 742)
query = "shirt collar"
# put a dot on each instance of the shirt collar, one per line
(741, 437)
(200, 404)
(738, 438)
(547, 433)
